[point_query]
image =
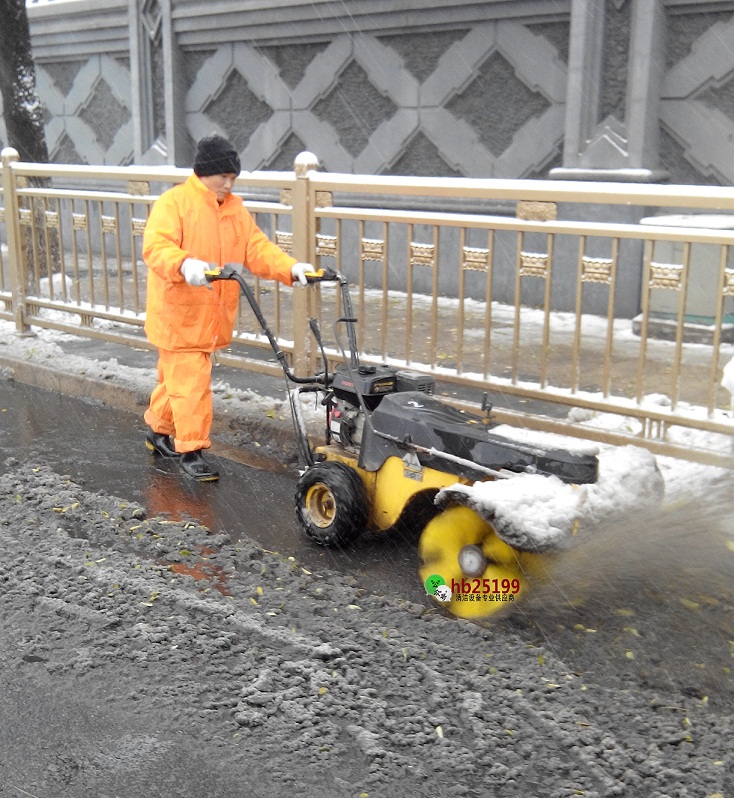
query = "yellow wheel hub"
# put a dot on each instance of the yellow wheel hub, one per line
(483, 573)
(320, 505)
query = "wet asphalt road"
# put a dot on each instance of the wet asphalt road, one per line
(103, 450)
(646, 601)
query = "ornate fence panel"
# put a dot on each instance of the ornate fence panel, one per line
(491, 286)
(75, 263)
(535, 309)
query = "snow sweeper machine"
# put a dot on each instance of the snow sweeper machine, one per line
(394, 454)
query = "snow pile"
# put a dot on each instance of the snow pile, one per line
(727, 377)
(56, 287)
(629, 478)
(545, 439)
(683, 479)
(537, 513)
(44, 348)
(530, 512)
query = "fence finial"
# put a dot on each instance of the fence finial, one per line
(8, 155)
(304, 163)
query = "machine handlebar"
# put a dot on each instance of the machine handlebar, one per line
(229, 270)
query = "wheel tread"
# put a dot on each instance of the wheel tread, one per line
(351, 509)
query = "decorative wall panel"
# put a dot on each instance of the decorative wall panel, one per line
(697, 113)
(454, 89)
(89, 111)
(488, 102)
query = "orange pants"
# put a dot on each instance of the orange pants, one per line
(181, 403)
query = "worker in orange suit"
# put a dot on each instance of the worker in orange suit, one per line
(191, 227)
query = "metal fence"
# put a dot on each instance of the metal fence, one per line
(507, 287)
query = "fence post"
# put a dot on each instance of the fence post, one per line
(12, 226)
(304, 299)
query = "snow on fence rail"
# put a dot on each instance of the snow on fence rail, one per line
(511, 288)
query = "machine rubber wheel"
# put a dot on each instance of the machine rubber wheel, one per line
(331, 503)
(459, 530)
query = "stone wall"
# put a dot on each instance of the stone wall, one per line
(620, 89)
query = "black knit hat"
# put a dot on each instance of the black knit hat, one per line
(216, 156)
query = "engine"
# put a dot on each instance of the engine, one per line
(372, 383)
(346, 422)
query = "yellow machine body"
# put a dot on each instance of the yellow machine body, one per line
(392, 486)
(504, 578)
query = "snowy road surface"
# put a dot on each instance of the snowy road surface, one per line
(141, 655)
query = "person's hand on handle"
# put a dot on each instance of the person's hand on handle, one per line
(299, 271)
(194, 270)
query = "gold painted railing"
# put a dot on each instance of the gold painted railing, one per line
(503, 287)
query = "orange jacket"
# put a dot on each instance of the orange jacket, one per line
(187, 222)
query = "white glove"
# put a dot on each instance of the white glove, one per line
(298, 272)
(193, 271)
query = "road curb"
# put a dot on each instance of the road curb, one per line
(109, 393)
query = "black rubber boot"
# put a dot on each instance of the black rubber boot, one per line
(194, 464)
(160, 444)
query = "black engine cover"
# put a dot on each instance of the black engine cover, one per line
(418, 418)
(371, 382)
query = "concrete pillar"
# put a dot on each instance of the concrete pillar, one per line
(614, 149)
(644, 85)
(169, 145)
(139, 69)
(179, 147)
(584, 78)
(620, 150)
